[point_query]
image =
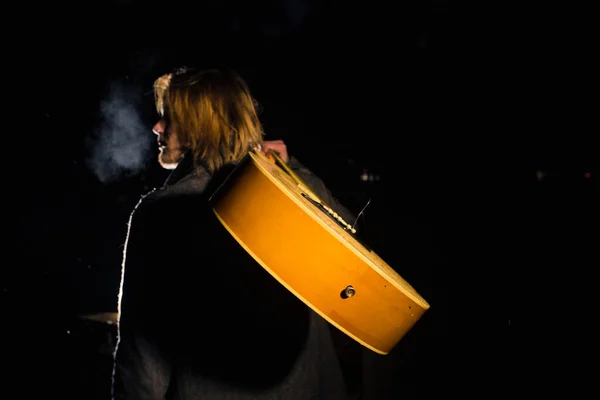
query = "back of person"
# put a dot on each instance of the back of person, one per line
(221, 326)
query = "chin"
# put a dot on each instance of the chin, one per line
(167, 162)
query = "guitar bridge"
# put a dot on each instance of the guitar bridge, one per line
(338, 220)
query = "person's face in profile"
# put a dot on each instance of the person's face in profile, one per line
(171, 151)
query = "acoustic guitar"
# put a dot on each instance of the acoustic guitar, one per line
(314, 253)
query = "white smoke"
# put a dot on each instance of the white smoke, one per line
(121, 145)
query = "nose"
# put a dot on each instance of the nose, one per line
(159, 127)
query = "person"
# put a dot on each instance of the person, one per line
(198, 318)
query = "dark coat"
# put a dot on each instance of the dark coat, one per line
(200, 319)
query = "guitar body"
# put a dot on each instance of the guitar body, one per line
(317, 260)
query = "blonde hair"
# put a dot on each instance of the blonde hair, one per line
(212, 113)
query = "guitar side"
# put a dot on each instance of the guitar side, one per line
(314, 258)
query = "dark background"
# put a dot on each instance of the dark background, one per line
(475, 124)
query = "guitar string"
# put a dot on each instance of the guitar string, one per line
(360, 213)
